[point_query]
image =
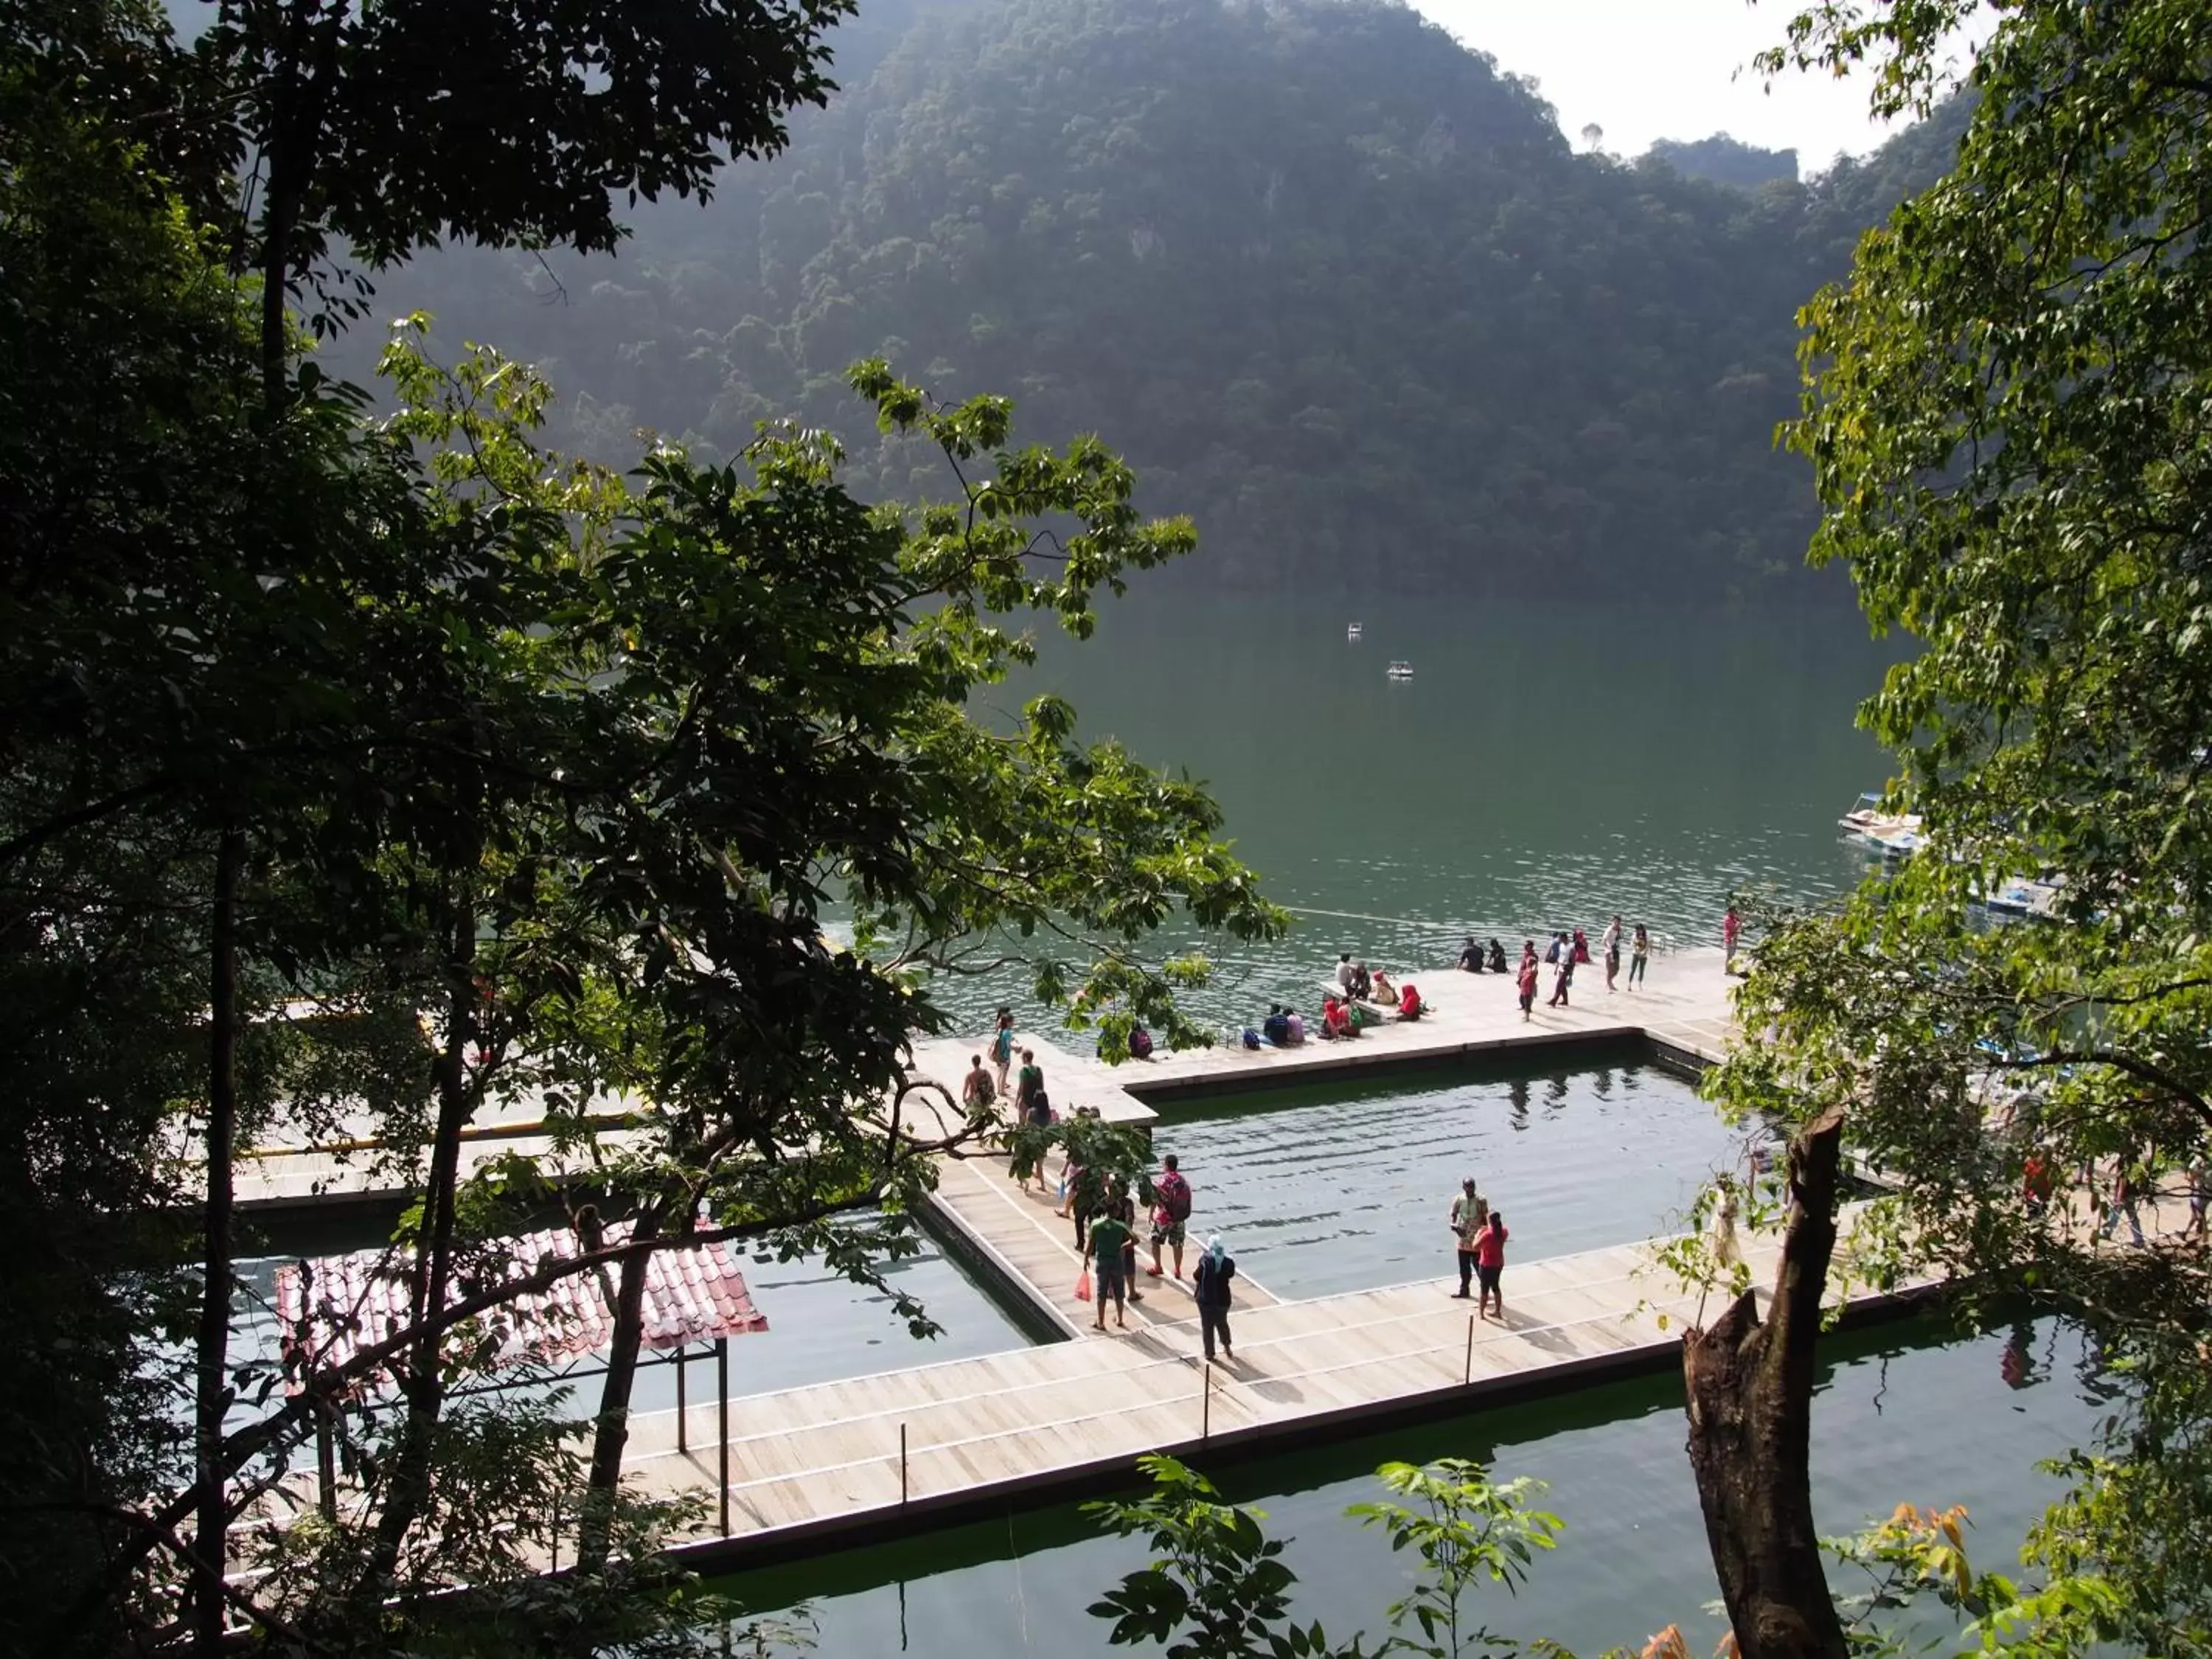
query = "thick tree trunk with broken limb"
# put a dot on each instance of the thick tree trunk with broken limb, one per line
(1749, 1385)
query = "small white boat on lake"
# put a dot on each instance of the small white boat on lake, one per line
(1893, 834)
(1400, 671)
(1354, 631)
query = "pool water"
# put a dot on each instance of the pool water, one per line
(1336, 1188)
(1905, 1412)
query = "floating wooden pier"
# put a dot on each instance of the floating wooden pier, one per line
(1682, 1014)
(850, 1461)
(869, 1457)
(844, 1461)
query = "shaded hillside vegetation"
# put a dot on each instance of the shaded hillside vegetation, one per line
(1336, 284)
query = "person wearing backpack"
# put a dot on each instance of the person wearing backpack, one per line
(1171, 1214)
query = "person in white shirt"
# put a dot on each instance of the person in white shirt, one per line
(1470, 1209)
(1612, 943)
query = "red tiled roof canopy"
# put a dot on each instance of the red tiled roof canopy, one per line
(693, 1292)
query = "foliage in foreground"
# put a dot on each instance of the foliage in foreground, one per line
(365, 778)
(2006, 410)
(1220, 1588)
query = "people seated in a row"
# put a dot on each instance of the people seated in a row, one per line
(1473, 959)
(1282, 1027)
(1353, 979)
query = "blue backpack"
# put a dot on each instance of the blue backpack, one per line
(1251, 1038)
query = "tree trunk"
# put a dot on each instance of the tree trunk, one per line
(611, 1432)
(212, 1394)
(1750, 1396)
(422, 1378)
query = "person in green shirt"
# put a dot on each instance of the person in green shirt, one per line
(1110, 1236)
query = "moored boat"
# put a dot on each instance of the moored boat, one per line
(1400, 671)
(1894, 834)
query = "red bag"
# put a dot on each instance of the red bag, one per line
(1082, 1286)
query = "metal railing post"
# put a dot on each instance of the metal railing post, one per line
(1469, 1377)
(683, 1427)
(902, 1483)
(1206, 1406)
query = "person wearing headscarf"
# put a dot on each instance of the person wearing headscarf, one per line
(1209, 1284)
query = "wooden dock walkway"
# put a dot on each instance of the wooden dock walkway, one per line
(1019, 1239)
(849, 1460)
(1684, 1013)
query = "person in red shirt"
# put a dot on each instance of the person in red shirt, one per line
(1409, 1002)
(1489, 1264)
(2035, 1183)
(1528, 984)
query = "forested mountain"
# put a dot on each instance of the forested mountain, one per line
(1335, 282)
(1726, 160)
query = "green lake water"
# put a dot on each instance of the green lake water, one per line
(1905, 1412)
(1544, 767)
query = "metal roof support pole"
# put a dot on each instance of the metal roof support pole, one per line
(682, 1424)
(326, 1465)
(722, 1421)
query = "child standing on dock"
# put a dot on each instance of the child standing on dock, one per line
(1731, 931)
(1489, 1264)
(1638, 955)
(1527, 978)
(1612, 942)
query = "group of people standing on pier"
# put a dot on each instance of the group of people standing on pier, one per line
(1569, 950)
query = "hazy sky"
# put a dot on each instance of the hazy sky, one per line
(1666, 69)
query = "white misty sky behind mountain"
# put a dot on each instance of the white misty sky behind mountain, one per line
(1667, 69)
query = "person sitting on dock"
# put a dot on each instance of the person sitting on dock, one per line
(1361, 984)
(1409, 1006)
(1343, 972)
(1276, 1028)
(1335, 1021)
(1382, 990)
(1295, 1027)
(1140, 1043)
(1470, 957)
(1497, 957)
